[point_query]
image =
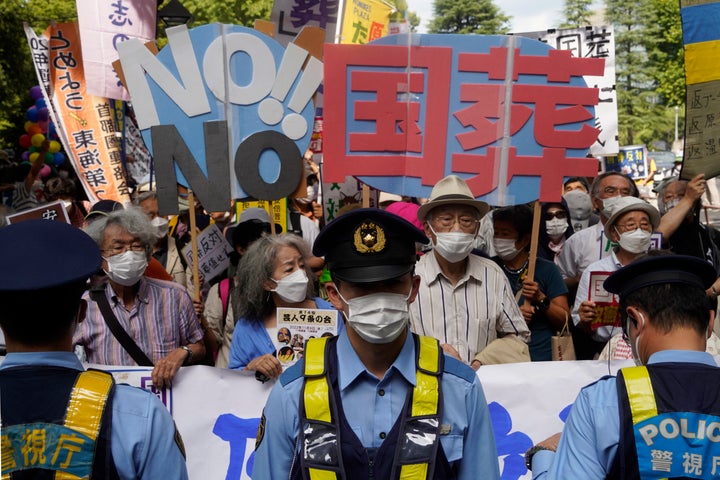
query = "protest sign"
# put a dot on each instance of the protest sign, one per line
(296, 326)
(213, 250)
(510, 114)
(250, 97)
(701, 39)
(607, 304)
(49, 211)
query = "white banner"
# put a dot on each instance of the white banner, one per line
(102, 26)
(592, 42)
(217, 410)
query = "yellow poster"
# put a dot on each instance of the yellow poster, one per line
(365, 21)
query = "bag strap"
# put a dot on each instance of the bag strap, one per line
(98, 295)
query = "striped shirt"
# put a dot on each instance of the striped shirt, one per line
(468, 315)
(162, 319)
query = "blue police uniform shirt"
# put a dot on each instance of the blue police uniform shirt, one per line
(372, 406)
(142, 433)
(590, 438)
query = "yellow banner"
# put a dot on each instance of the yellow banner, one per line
(364, 21)
(87, 120)
(698, 66)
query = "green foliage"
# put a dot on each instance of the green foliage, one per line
(649, 70)
(401, 12)
(237, 12)
(576, 13)
(468, 16)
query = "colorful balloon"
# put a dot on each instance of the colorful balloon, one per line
(37, 140)
(32, 114)
(34, 128)
(36, 92)
(58, 158)
(40, 103)
(54, 146)
(45, 171)
(25, 156)
(34, 156)
(25, 141)
(43, 113)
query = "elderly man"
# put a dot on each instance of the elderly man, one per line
(376, 401)
(59, 421)
(630, 225)
(653, 421)
(153, 318)
(464, 300)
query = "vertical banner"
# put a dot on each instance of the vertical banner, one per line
(92, 145)
(102, 26)
(364, 21)
(701, 38)
(290, 16)
(592, 42)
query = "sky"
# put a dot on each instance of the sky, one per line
(527, 15)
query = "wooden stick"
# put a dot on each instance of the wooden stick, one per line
(534, 241)
(193, 242)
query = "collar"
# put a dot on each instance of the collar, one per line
(24, 359)
(615, 260)
(350, 367)
(143, 293)
(682, 356)
(599, 231)
(434, 271)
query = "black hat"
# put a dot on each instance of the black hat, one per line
(368, 245)
(661, 269)
(102, 208)
(37, 254)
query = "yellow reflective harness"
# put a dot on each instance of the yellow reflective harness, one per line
(76, 436)
(425, 404)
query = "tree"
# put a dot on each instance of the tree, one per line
(401, 13)
(669, 54)
(236, 12)
(468, 16)
(577, 13)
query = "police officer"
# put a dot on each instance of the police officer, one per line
(377, 401)
(59, 421)
(661, 420)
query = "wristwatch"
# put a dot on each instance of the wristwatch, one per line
(542, 305)
(531, 453)
(189, 354)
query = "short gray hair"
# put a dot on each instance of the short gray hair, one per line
(250, 299)
(151, 194)
(133, 220)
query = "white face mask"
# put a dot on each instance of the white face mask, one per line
(637, 241)
(126, 268)
(453, 246)
(161, 225)
(379, 317)
(293, 288)
(667, 206)
(505, 248)
(609, 206)
(556, 227)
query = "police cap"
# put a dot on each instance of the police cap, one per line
(38, 254)
(368, 245)
(661, 269)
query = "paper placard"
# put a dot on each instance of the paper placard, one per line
(606, 303)
(296, 326)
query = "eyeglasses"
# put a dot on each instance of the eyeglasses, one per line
(448, 221)
(122, 248)
(560, 214)
(629, 227)
(611, 191)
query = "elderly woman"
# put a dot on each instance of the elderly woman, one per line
(273, 273)
(157, 315)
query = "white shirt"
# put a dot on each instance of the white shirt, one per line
(607, 264)
(469, 315)
(582, 249)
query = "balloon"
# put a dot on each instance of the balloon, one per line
(25, 156)
(32, 114)
(49, 157)
(37, 140)
(43, 113)
(34, 156)
(54, 146)
(45, 171)
(34, 128)
(25, 141)
(58, 158)
(44, 124)
(40, 103)
(52, 133)
(27, 125)
(36, 92)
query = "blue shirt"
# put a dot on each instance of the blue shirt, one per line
(251, 340)
(590, 438)
(470, 445)
(142, 432)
